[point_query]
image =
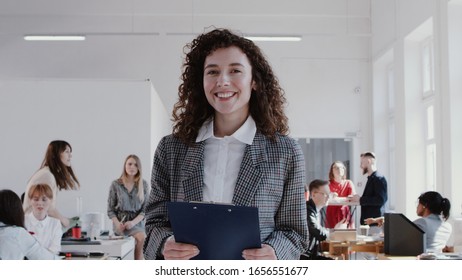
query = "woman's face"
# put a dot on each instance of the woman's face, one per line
(420, 209)
(228, 82)
(131, 168)
(40, 204)
(338, 170)
(66, 156)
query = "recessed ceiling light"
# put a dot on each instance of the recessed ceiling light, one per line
(54, 38)
(275, 38)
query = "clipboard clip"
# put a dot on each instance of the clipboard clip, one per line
(213, 202)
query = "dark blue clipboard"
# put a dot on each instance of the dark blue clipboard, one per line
(220, 231)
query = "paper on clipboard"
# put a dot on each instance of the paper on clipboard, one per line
(221, 232)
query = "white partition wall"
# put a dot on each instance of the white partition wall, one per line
(104, 121)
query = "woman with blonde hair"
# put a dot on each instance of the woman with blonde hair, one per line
(127, 196)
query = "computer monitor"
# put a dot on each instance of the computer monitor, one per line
(402, 237)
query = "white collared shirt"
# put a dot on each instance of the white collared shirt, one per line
(48, 231)
(16, 243)
(223, 158)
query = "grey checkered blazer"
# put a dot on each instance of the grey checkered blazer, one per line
(271, 177)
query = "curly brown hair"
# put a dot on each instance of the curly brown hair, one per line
(192, 109)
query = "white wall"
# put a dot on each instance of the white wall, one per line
(454, 103)
(397, 26)
(104, 121)
(139, 40)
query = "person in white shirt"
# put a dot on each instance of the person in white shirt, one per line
(46, 229)
(56, 172)
(15, 242)
(230, 143)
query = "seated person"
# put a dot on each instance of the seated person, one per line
(319, 195)
(15, 242)
(46, 229)
(434, 210)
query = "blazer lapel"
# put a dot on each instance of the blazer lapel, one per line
(193, 171)
(250, 173)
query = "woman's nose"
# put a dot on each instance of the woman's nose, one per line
(223, 80)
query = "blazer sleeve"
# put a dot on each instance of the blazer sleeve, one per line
(378, 195)
(157, 226)
(290, 236)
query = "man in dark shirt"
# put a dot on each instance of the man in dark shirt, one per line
(319, 195)
(375, 193)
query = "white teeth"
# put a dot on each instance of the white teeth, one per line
(225, 94)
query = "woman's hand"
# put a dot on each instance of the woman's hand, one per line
(119, 228)
(128, 225)
(343, 224)
(266, 252)
(178, 251)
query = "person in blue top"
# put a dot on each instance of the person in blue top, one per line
(434, 212)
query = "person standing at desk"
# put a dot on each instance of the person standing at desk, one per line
(339, 186)
(57, 173)
(127, 197)
(375, 193)
(229, 145)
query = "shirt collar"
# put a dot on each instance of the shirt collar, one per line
(244, 134)
(34, 220)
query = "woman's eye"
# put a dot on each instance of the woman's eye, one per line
(212, 72)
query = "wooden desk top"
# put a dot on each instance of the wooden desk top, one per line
(388, 257)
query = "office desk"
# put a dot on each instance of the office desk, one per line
(400, 258)
(89, 258)
(118, 248)
(438, 256)
(345, 249)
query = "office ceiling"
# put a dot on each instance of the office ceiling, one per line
(179, 16)
(141, 39)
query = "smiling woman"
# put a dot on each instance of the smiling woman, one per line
(229, 145)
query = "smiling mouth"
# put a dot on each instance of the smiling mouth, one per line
(225, 94)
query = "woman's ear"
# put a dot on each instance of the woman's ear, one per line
(254, 85)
